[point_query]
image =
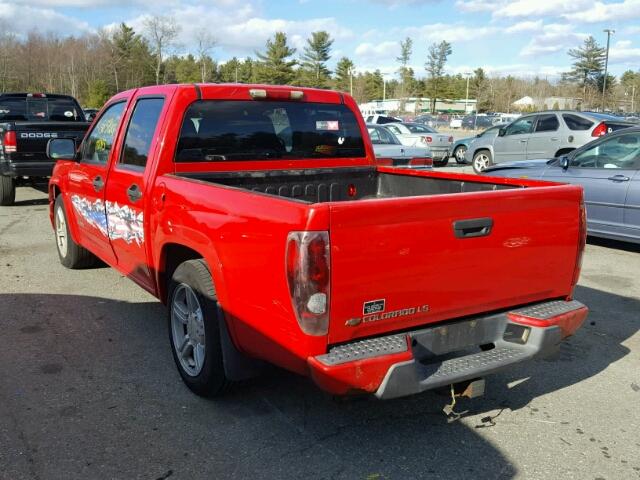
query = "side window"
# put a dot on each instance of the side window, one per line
(547, 123)
(386, 138)
(100, 140)
(521, 126)
(622, 151)
(375, 135)
(576, 122)
(140, 131)
(394, 129)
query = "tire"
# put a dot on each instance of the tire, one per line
(443, 162)
(458, 154)
(194, 331)
(71, 254)
(481, 160)
(7, 191)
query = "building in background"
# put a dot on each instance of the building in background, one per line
(547, 103)
(416, 106)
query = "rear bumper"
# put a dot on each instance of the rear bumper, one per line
(412, 362)
(439, 153)
(26, 169)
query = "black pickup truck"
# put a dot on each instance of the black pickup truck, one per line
(27, 122)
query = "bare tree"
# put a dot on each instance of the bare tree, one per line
(161, 33)
(205, 43)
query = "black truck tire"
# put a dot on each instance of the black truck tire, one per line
(194, 326)
(7, 191)
(71, 254)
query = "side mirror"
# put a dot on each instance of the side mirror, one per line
(502, 132)
(61, 149)
(564, 162)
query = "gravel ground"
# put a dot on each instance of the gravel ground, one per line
(88, 390)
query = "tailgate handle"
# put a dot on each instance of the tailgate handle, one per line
(475, 227)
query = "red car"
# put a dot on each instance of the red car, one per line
(258, 215)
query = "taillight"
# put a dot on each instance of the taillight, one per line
(9, 141)
(308, 275)
(426, 139)
(582, 241)
(385, 162)
(421, 161)
(600, 130)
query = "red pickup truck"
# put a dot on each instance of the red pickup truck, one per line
(258, 215)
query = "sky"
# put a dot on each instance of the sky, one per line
(521, 37)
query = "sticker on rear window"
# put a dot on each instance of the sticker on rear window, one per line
(331, 125)
(373, 306)
(68, 114)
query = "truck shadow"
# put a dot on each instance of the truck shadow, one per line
(75, 364)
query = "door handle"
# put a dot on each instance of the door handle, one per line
(98, 184)
(475, 227)
(524, 140)
(619, 178)
(554, 139)
(134, 193)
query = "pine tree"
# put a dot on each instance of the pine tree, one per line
(588, 65)
(316, 54)
(276, 66)
(436, 60)
(344, 75)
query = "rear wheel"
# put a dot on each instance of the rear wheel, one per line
(459, 152)
(194, 330)
(70, 253)
(481, 161)
(7, 190)
(442, 162)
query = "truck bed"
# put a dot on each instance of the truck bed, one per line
(333, 185)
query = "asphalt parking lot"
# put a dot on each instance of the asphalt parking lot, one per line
(88, 390)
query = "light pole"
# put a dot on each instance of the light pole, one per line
(466, 98)
(609, 32)
(351, 81)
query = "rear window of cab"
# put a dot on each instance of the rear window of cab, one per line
(231, 130)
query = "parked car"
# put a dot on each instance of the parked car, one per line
(541, 135)
(460, 147)
(609, 171)
(258, 215)
(416, 134)
(455, 122)
(381, 119)
(473, 122)
(90, 113)
(27, 122)
(390, 151)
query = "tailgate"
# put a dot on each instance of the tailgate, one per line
(397, 263)
(32, 137)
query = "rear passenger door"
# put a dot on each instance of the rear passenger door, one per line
(545, 139)
(126, 199)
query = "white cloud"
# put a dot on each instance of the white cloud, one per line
(516, 69)
(601, 12)
(22, 19)
(541, 8)
(383, 50)
(436, 32)
(527, 26)
(623, 52)
(554, 38)
(474, 6)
